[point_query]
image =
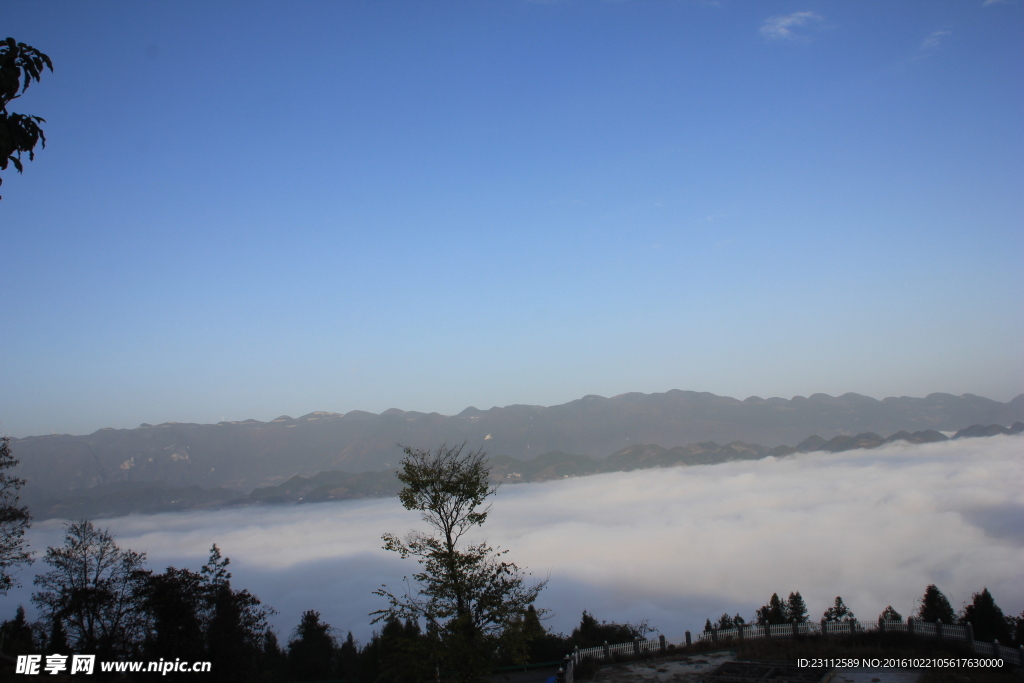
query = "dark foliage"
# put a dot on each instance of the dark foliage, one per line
(16, 635)
(14, 519)
(772, 613)
(311, 653)
(987, 620)
(935, 606)
(20, 64)
(96, 589)
(838, 612)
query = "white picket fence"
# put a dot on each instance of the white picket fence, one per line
(1010, 655)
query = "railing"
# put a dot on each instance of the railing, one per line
(961, 633)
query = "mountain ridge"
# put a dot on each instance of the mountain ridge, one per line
(242, 455)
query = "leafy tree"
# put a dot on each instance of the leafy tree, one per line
(838, 612)
(20, 64)
(796, 608)
(987, 620)
(591, 632)
(14, 519)
(935, 607)
(725, 622)
(772, 613)
(468, 592)
(1018, 633)
(311, 653)
(96, 589)
(889, 614)
(737, 620)
(707, 626)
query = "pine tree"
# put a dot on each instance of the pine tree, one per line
(772, 613)
(57, 643)
(311, 653)
(935, 607)
(838, 612)
(796, 608)
(16, 635)
(987, 620)
(889, 614)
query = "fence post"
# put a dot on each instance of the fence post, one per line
(739, 631)
(714, 634)
(661, 640)
(824, 626)
(636, 646)
(969, 628)
(910, 625)
(938, 629)
(576, 654)
(688, 639)
(796, 628)
(767, 630)
(607, 651)
(881, 624)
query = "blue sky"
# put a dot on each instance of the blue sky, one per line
(253, 209)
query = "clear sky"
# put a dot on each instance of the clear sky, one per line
(253, 209)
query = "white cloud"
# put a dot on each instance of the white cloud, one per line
(994, 2)
(935, 39)
(782, 27)
(670, 545)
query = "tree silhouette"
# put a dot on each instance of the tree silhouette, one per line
(987, 620)
(311, 653)
(20, 64)
(96, 589)
(796, 608)
(468, 594)
(935, 606)
(838, 612)
(772, 613)
(235, 622)
(14, 519)
(889, 614)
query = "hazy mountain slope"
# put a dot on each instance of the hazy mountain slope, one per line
(243, 455)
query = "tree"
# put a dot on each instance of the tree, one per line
(935, 607)
(889, 614)
(16, 635)
(468, 593)
(772, 613)
(838, 612)
(311, 653)
(235, 622)
(174, 601)
(987, 620)
(796, 608)
(96, 589)
(20, 64)
(14, 519)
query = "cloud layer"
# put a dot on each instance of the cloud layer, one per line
(670, 545)
(784, 27)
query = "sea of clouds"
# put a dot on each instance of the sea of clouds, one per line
(672, 546)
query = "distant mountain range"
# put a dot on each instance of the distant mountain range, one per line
(239, 457)
(121, 498)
